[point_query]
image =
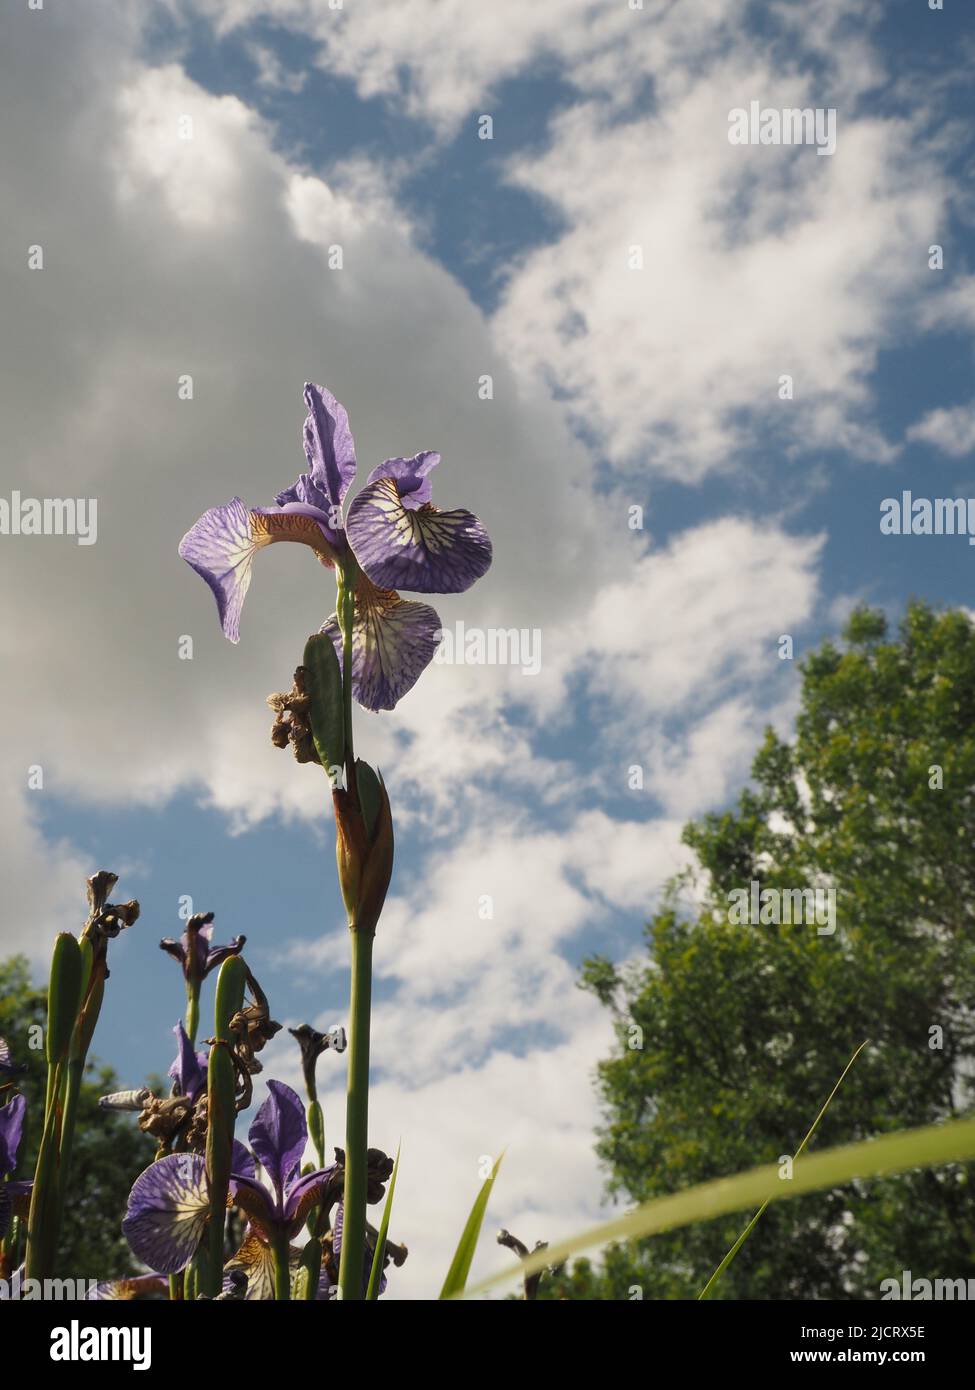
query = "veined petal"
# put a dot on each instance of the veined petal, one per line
(303, 1194)
(278, 1135)
(329, 447)
(253, 1197)
(220, 547)
(256, 1260)
(297, 522)
(393, 640)
(167, 1212)
(427, 550)
(127, 1289)
(222, 544)
(412, 477)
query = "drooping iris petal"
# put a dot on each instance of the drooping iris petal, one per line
(429, 551)
(167, 1212)
(263, 1209)
(14, 1201)
(393, 641)
(278, 1135)
(412, 477)
(256, 1260)
(11, 1133)
(222, 544)
(139, 1286)
(329, 447)
(303, 1194)
(220, 547)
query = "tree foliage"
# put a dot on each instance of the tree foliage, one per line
(745, 1028)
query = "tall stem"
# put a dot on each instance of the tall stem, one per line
(356, 1120)
(192, 1010)
(281, 1255)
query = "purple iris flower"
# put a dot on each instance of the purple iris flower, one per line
(193, 949)
(14, 1196)
(392, 530)
(170, 1202)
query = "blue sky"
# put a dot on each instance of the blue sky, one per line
(612, 389)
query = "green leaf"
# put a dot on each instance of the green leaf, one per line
(461, 1264)
(327, 714)
(706, 1291)
(370, 795)
(953, 1142)
(376, 1274)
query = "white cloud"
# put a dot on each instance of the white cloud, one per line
(952, 430)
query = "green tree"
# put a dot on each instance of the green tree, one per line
(744, 1029)
(109, 1150)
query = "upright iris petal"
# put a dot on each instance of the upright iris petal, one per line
(329, 448)
(408, 547)
(189, 1070)
(393, 640)
(278, 1135)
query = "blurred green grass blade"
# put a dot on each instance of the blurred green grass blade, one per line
(376, 1273)
(952, 1142)
(461, 1264)
(706, 1291)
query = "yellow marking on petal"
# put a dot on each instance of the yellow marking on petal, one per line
(268, 527)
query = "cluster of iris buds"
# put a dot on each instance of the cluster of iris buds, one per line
(200, 1218)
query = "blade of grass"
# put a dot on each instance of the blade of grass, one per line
(706, 1291)
(460, 1265)
(951, 1142)
(376, 1273)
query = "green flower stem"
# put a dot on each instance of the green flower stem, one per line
(345, 612)
(221, 1115)
(192, 1024)
(356, 1120)
(281, 1254)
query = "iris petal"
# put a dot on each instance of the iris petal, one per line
(329, 447)
(423, 549)
(220, 547)
(412, 477)
(167, 1212)
(393, 641)
(11, 1133)
(278, 1135)
(256, 1260)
